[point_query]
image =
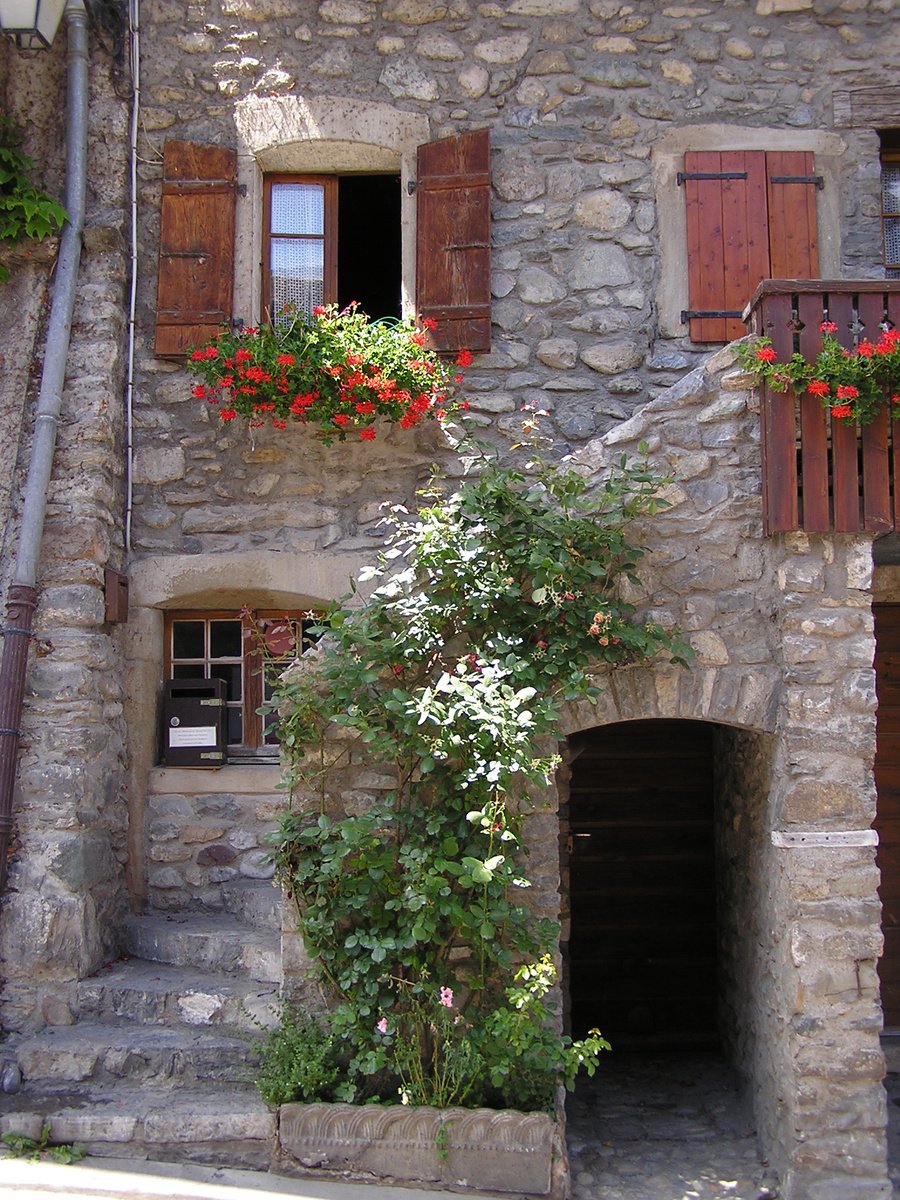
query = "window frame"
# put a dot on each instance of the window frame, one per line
(253, 731)
(329, 238)
(889, 157)
(667, 157)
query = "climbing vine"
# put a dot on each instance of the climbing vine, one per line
(25, 212)
(492, 606)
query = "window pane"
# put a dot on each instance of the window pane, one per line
(890, 187)
(231, 673)
(235, 726)
(298, 274)
(298, 208)
(892, 241)
(188, 671)
(225, 640)
(187, 640)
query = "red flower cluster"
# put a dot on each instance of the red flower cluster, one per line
(338, 370)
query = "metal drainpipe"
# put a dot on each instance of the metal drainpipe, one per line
(23, 593)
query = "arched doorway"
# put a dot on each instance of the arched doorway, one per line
(641, 855)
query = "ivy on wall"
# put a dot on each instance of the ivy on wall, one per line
(25, 211)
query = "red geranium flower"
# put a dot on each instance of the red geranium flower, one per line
(767, 354)
(818, 387)
(464, 358)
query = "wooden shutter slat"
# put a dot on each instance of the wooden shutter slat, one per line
(453, 255)
(196, 245)
(845, 465)
(746, 247)
(727, 245)
(780, 503)
(876, 490)
(813, 425)
(793, 240)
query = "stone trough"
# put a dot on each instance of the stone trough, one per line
(449, 1148)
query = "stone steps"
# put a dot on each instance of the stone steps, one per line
(225, 1126)
(160, 1062)
(106, 1051)
(254, 903)
(154, 993)
(217, 943)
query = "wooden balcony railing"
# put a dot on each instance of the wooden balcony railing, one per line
(820, 474)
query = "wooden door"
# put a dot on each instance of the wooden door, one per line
(642, 950)
(887, 781)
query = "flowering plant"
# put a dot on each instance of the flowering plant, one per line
(337, 370)
(494, 605)
(851, 384)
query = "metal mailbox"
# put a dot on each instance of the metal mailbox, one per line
(193, 723)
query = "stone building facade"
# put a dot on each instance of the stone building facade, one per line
(592, 106)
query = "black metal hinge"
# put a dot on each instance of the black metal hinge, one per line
(818, 180)
(683, 175)
(691, 314)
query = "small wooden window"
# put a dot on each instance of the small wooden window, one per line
(247, 649)
(332, 239)
(890, 201)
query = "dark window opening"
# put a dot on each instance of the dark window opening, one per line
(332, 239)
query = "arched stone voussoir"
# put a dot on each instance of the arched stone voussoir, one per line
(732, 696)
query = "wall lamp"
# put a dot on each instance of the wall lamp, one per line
(32, 24)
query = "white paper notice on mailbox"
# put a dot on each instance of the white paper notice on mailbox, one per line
(199, 735)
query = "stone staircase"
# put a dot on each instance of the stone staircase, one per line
(160, 1061)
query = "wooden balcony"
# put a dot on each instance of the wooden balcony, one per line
(820, 474)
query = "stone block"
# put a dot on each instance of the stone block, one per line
(498, 1151)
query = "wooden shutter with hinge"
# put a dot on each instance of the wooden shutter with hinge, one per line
(791, 201)
(196, 245)
(751, 215)
(453, 252)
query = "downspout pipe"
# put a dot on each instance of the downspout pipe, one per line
(23, 591)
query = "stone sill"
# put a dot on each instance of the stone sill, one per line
(483, 1149)
(245, 780)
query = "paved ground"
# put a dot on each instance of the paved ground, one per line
(667, 1127)
(664, 1128)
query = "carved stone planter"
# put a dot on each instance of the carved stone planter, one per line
(450, 1148)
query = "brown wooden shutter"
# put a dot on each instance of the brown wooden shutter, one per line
(791, 201)
(453, 252)
(196, 245)
(751, 215)
(728, 251)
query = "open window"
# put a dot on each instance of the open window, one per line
(331, 239)
(331, 235)
(751, 215)
(247, 649)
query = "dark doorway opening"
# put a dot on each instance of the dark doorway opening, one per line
(887, 821)
(641, 960)
(368, 243)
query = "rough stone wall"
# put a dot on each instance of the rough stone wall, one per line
(745, 886)
(784, 646)
(208, 828)
(579, 97)
(66, 888)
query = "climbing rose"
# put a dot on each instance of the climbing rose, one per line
(447, 997)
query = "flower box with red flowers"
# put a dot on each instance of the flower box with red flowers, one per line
(338, 371)
(852, 384)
